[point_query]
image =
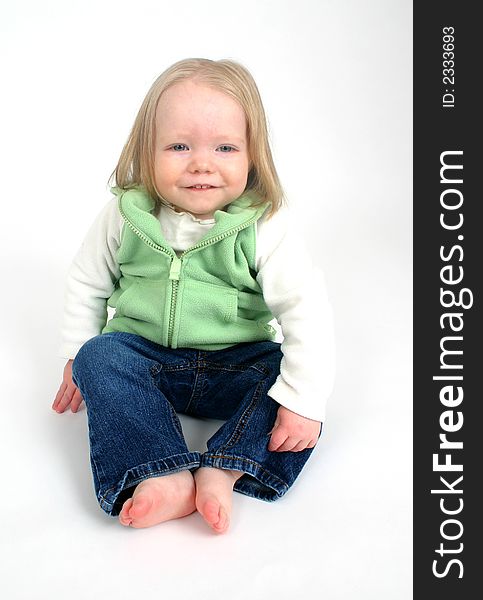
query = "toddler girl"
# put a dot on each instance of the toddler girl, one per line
(197, 254)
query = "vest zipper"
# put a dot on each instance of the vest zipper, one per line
(174, 277)
(140, 234)
(175, 269)
(218, 237)
(174, 273)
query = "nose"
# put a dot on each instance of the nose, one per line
(201, 162)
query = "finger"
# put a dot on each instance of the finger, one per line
(300, 446)
(312, 444)
(76, 401)
(288, 445)
(59, 395)
(278, 439)
(59, 407)
(65, 400)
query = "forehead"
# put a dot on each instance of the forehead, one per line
(195, 107)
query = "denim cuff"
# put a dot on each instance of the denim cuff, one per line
(109, 500)
(257, 481)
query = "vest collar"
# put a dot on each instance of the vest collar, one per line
(136, 207)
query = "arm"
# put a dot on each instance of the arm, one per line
(90, 282)
(294, 290)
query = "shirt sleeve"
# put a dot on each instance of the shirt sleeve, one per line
(91, 279)
(294, 290)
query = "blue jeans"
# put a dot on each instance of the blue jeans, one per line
(133, 390)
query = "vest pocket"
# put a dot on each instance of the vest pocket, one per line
(205, 311)
(143, 300)
(210, 301)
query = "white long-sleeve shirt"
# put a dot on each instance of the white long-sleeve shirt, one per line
(293, 289)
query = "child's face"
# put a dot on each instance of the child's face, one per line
(200, 139)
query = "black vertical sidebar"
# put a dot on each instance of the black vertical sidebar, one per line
(448, 331)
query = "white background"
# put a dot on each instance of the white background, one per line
(335, 78)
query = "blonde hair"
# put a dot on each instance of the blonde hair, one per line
(136, 163)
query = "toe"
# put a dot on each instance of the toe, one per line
(215, 515)
(124, 517)
(222, 525)
(211, 511)
(140, 506)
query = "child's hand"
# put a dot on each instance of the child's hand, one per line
(293, 432)
(68, 392)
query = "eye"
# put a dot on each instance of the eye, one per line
(176, 147)
(226, 148)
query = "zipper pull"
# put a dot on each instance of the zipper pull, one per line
(175, 268)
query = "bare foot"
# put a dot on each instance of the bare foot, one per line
(159, 499)
(214, 490)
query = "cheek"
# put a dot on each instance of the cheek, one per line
(164, 169)
(238, 169)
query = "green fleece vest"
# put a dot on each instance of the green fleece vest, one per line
(208, 298)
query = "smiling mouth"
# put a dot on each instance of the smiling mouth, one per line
(203, 188)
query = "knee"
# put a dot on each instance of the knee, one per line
(93, 355)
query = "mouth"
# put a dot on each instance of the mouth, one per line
(201, 188)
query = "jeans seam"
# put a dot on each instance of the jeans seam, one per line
(175, 420)
(261, 368)
(245, 417)
(93, 459)
(183, 367)
(226, 367)
(197, 391)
